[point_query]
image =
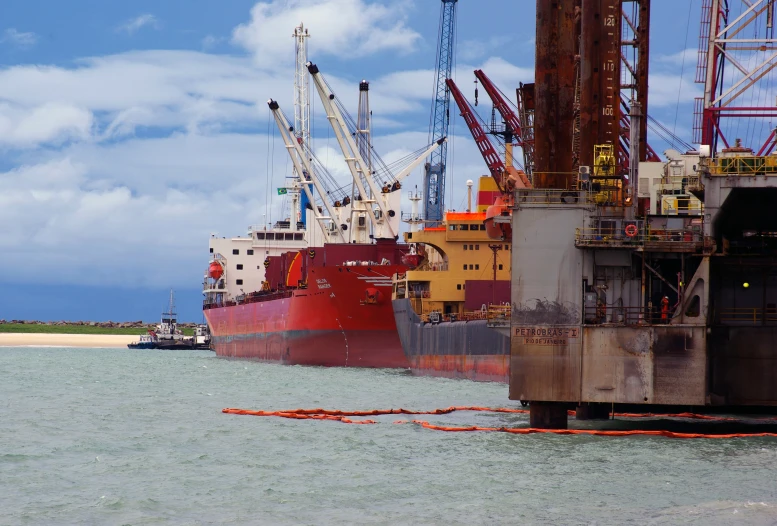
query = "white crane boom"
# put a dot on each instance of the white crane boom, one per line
(353, 158)
(410, 167)
(296, 153)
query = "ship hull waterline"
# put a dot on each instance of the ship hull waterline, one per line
(463, 349)
(338, 321)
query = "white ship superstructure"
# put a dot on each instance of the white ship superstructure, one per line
(241, 259)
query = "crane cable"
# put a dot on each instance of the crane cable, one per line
(682, 74)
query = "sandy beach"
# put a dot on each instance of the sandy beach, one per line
(13, 339)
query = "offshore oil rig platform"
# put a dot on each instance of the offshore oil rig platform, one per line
(638, 280)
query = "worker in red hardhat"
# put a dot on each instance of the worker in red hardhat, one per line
(665, 309)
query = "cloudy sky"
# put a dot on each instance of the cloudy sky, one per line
(131, 131)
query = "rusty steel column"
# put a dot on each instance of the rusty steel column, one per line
(554, 92)
(643, 58)
(600, 67)
(548, 415)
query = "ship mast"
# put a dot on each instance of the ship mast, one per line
(300, 200)
(364, 128)
(171, 308)
(301, 86)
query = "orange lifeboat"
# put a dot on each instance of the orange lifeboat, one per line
(215, 270)
(498, 220)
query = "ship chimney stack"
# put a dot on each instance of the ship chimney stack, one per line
(415, 217)
(469, 195)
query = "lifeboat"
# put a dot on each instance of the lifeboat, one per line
(412, 260)
(215, 270)
(499, 220)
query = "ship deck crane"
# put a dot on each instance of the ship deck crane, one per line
(512, 122)
(359, 168)
(507, 177)
(307, 176)
(353, 158)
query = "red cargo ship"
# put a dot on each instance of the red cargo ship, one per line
(326, 306)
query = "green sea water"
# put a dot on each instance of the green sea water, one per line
(113, 436)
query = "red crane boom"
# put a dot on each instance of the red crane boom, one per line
(511, 119)
(498, 216)
(494, 163)
(507, 177)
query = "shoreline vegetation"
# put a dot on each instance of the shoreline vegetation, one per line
(85, 328)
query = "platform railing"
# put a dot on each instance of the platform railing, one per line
(616, 315)
(743, 166)
(499, 315)
(674, 235)
(494, 314)
(543, 196)
(604, 237)
(747, 316)
(464, 316)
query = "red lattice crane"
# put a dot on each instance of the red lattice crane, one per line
(507, 177)
(513, 130)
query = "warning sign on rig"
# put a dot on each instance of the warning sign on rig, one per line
(546, 335)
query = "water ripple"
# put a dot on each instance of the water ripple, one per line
(94, 436)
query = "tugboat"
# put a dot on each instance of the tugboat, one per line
(201, 338)
(146, 341)
(167, 335)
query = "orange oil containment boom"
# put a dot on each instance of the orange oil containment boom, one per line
(342, 416)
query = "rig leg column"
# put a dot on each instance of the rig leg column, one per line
(548, 415)
(586, 411)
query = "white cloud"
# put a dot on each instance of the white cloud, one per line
(133, 25)
(210, 41)
(50, 122)
(19, 38)
(164, 89)
(686, 57)
(135, 213)
(189, 90)
(148, 152)
(470, 50)
(139, 212)
(344, 28)
(668, 90)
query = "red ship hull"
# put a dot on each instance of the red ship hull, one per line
(476, 368)
(343, 318)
